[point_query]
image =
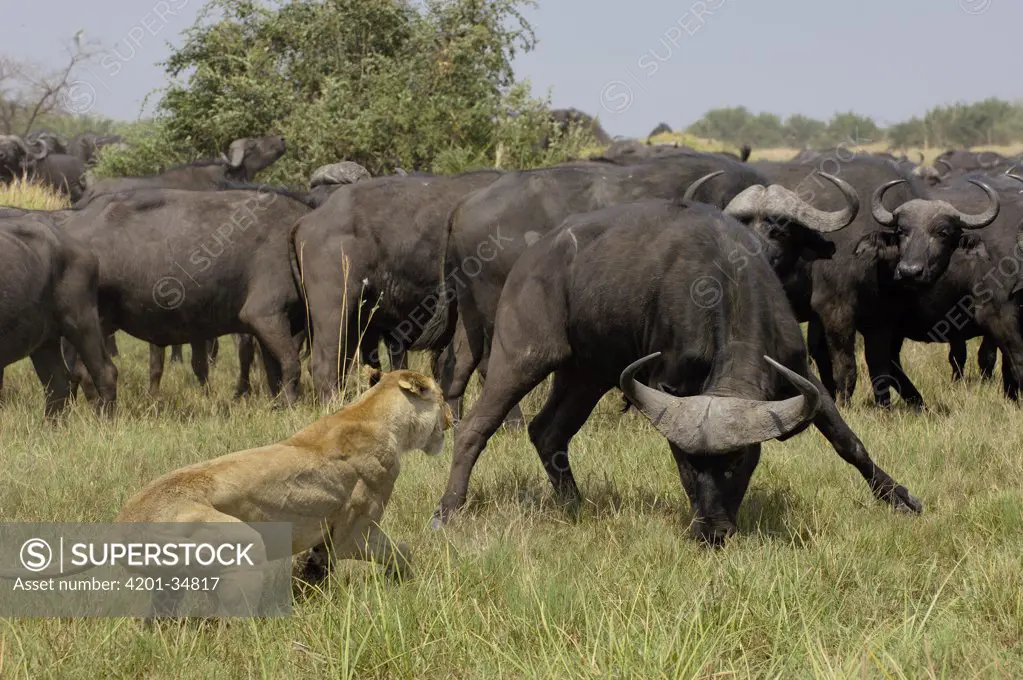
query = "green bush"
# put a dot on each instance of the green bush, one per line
(383, 83)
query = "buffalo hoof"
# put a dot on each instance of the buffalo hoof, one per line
(905, 502)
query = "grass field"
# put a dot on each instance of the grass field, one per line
(821, 582)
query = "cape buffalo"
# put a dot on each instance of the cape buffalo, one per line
(523, 206)
(963, 275)
(86, 146)
(854, 290)
(615, 285)
(33, 159)
(48, 140)
(49, 291)
(244, 160)
(186, 266)
(246, 157)
(369, 260)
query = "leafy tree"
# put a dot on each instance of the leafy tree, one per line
(383, 83)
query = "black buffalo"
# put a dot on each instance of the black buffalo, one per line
(369, 260)
(615, 285)
(523, 206)
(33, 160)
(245, 159)
(186, 266)
(855, 289)
(86, 146)
(961, 270)
(49, 290)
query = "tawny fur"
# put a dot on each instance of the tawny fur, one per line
(331, 480)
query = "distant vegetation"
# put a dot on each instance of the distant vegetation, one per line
(989, 122)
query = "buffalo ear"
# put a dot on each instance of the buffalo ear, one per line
(973, 245)
(878, 245)
(415, 383)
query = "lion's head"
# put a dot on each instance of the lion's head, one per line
(429, 416)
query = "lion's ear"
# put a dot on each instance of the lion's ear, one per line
(371, 375)
(414, 383)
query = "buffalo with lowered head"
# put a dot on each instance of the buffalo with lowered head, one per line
(592, 300)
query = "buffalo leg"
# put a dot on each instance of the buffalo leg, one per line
(279, 355)
(335, 340)
(246, 353)
(112, 345)
(470, 339)
(957, 358)
(213, 349)
(845, 442)
(881, 349)
(1004, 328)
(1010, 385)
(514, 420)
(571, 401)
(444, 364)
(84, 337)
(986, 358)
(842, 349)
(201, 363)
(818, 349)
(156, 363)
(177, 355)
(48, 362)
(839, 332)
(513, 377)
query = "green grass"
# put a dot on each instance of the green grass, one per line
(822, 581)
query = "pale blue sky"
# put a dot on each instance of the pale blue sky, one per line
(637, 63)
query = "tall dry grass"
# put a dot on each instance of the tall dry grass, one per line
(22, 193)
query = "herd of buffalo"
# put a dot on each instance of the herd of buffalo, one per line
(681, 277)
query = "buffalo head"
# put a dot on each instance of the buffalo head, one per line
(249, 156)
(789, 225)
(929, 231)
(50, 141)
(716, 440)
(17, 155)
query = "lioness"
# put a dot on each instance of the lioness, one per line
(331, 480)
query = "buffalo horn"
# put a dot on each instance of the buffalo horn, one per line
(779, 202)
(877, 209)
(695, 186)
(708, 425)
(985, 218)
